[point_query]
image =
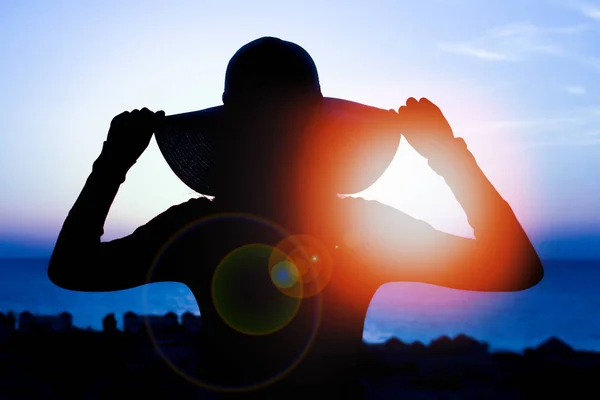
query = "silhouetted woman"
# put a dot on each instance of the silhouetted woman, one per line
(282, 268)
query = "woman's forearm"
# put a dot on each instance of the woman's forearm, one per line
(84, 225)
(480, 200)
(502, 244)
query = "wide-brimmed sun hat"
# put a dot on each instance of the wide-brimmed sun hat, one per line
(362, 140)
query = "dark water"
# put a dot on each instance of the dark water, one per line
(565, 304)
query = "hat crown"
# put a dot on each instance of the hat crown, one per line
(270, 63)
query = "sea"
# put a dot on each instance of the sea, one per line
(566, 305)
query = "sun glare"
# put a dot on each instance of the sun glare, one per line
(410, 185)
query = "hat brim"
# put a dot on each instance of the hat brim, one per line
(367, 136)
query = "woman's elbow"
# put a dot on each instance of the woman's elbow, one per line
(62, 271)
(533, 272)
(524, 271)
(58, 273)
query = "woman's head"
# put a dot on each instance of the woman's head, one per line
(272, 97)
(269, 66)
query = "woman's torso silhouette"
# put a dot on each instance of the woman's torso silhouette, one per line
(254, 335)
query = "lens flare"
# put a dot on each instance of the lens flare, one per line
(234, 279)
(312, 263)
(242, 297)
(285, 274)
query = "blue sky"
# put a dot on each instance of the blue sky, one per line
(518, 79)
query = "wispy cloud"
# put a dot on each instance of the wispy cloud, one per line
(575, 127)
(575, 89)
(591, 11)
(517, 41)
(566, 142)
(588, 9)
(470, 50)
(552, 123)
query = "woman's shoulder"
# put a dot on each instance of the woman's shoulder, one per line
(360, 206)
(363, 213)
(200, 203)
(189, 210)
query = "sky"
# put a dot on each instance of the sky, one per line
(519, 80)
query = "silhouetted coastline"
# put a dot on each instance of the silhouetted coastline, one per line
(47, 357)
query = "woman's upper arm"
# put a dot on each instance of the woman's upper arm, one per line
(130, 261)
(398, 247)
